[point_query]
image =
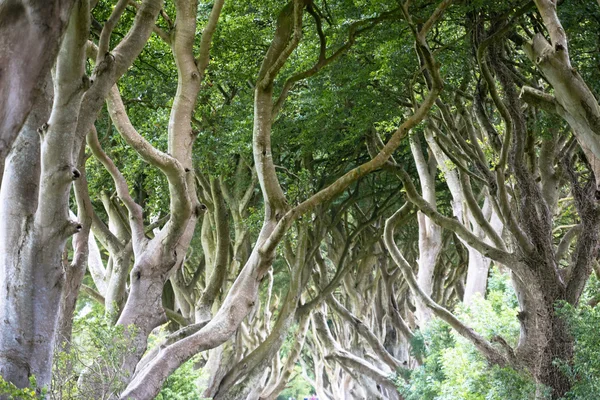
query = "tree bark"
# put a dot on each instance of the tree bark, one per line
(33, 269)
(39, 28)
(430, 234)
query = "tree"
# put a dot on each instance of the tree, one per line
(527, 210)
(235, 170)
(34, 229)
(38, 28)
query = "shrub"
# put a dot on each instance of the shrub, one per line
(453, 369)
(10, 391)
(584, 369)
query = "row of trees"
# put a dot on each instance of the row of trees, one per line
(321, 177)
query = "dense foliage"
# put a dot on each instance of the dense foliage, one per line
(357, 199)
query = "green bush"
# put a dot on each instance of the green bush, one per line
(97, 349)
(584, 370)
(12, 392)
(182, 384)
(453, 369)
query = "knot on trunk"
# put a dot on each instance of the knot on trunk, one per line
(73, 227)
(86, 83)
(75, 174)
(43, 129)
(200, 209)
(103, 66)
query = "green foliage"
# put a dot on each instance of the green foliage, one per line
(453, 369)
(584, 370)
(97, 350)
(297, 387)
(10, 391)
(181, 385)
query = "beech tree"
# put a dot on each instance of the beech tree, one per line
(38, 28)
(300, 191)
(35, 229)
(526, 185)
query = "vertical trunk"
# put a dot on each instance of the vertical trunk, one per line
(76, 270)
(143, 310)
(544, 337)
(37, 27)
(221, 260)
(478, 265)
(430, 242)
(34, 269)
(18, 202)
(115, 296)
(430, 235)
(477, 275)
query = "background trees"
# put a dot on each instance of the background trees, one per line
(276, 191)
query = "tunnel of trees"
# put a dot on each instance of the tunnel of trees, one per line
(262, 199)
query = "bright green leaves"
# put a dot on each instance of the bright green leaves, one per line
(453, 369)
(12, 392)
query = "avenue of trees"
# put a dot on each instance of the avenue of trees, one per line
(261, 199)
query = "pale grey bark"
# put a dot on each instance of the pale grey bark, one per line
(33, 264)
(278, 216)
(96, 265)
(75, 270)
(574, 101)
(156, 258)
(39, 28)
(478, 265)
(219, 267)
(334, 351)
(485, 347)
(18, 202)
(111, 280)
(430, 234)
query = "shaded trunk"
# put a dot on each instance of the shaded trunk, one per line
(75, 272)
(37, 27)
(243, 377)
(18, 202)
(34, 268)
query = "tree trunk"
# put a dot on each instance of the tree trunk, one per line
(430, 235)
(18, 202)
(34, 270)
(37, 27)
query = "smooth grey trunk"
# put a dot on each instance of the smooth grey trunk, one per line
(75, 270)
(34, 270)
(572, 100)
(430, 234)
(219, 269)
(478, 265)
(116, 295)
(37, 27)
(18, 202)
